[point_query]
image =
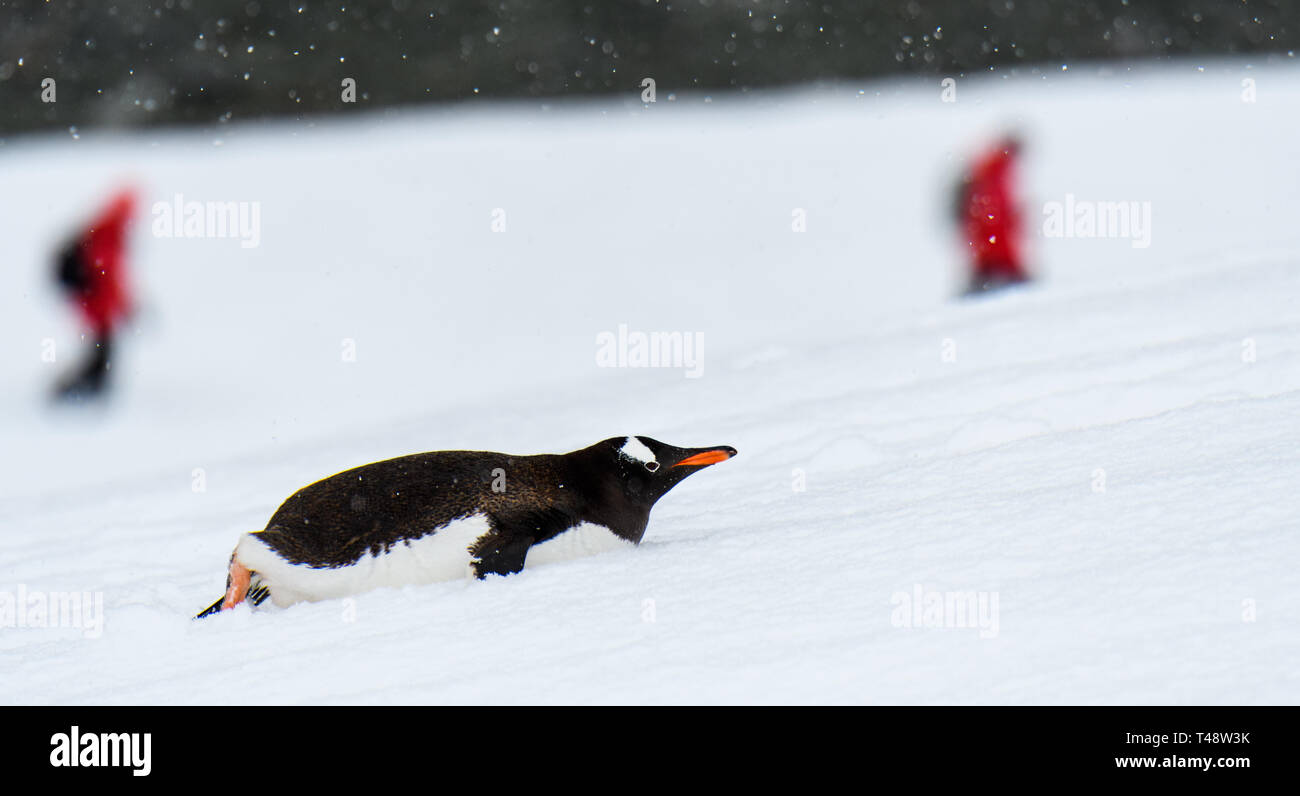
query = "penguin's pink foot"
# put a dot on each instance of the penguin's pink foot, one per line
(237, 589)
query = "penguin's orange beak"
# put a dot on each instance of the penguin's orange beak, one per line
(707, 457)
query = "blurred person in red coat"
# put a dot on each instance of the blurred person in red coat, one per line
(988, 215)
(92, 272)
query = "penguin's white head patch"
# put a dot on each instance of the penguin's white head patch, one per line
(637, 451)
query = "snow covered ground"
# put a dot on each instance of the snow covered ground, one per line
(1108, 459)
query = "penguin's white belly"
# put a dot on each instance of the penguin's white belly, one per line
(584, 539)
(440, 556)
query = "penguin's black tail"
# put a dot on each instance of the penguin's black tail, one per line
(216, 606)
(212, 609)
(256, 595)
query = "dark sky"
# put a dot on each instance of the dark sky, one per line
(134, 63)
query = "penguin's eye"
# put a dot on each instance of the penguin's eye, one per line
(652, 466)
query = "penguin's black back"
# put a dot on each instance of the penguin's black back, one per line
(368, 509)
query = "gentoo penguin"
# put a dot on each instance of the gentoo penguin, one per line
(449, 514)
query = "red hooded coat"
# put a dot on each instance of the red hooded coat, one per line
(992, 220)
(103, 297)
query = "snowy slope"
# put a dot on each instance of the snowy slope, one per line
(1110, 453)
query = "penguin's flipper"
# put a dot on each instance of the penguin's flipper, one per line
(500, 555)
(504, 551)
